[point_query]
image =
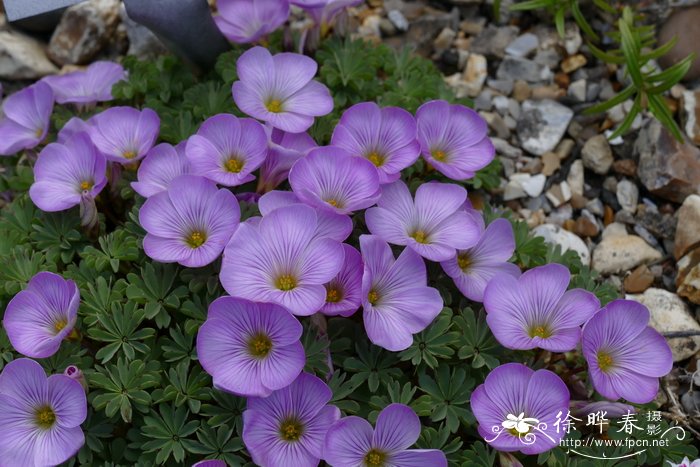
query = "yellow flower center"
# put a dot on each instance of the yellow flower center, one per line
(86, 185)
(605, 361)
(274, 106)
(291, 430)
(259, 345)
(334, 202)
(196, 239)
(373, 297)
(420, 236)
(464, 261)
(45, 417)
(129, 154)
(542, 331)
(234, 165)
(286, 282)
(375, 158)
(438, 154)
(39, 132)
(333, 295)
(59, 325)
(375, 458)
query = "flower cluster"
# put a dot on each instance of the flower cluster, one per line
(352, 233)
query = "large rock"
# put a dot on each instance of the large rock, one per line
(669, 169)
(555, 235)
(597, 155)
(542, 124)
(83, 31)
(688, 227)
(22, 57)
(620, 253)
(670, 314)
(142, 42)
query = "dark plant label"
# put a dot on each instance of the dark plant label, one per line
(19, 9)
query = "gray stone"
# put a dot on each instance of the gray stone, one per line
(622, 253)
(668, 169)
(597, 154)
(628, 195)
(575, 178)
(521, 68)
(572, 39)
(500, 103)
(22, 57)
(553, 234)
(670, 314)
(504, 86)
(85, 29)
(548, 57)
(484, 101)
(595, 206)
(542, 124)
(523, 46)
(577, 90)
(398, 19)
(504, 148)
(493, 40)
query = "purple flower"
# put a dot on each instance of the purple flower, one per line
(324, 11)
(125, 134)
(611, 409)
(453, 139)
(227, 149)
(189, 223)
(162, 165)
(329, 178)
(288, 427)
(27, 118)
(331, 225)
(351, 441)
(89, 86)
(434, 226)
(386, 137)
(517, 408)
(282, 260)
(284, 149)
(536, 310)
(72, 127)
(625, 356)
(67, 174)
(249, 20)
(38, 318)
(280, 90)
(40, 417)
(250, 349)
(472, 269)
(396, 299)
(74, 373)
(344, 291)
